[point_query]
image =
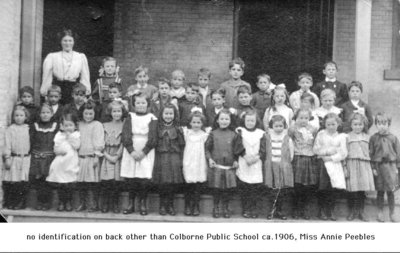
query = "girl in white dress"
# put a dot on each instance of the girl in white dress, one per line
(65, 166)
(194, 162)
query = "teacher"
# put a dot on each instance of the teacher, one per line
(65, 68)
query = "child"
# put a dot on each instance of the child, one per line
(26, 97)
(384, 149)
(278, 173)
(203, 78)
(65, 166)
(330, 70)
(142, 77)
(244, 100)
(223, 147)
(114, 94)
(78, 99)
(328, 97)
(218, 103)
(190, 104)
(42, 135)
(194, 162)
(262, 98)
(112, 154)
(168, 162)
(358, 167)
(108, 74)
(250, 171)
(355, 105)
(92, 145)
(305, 171)
(139, 138)
(236, 70)
(177, 80)
(17, 160)
(307, 103)
(164, 97)
(53, 98)
(305, 82)
(330, 147)
(279, 106)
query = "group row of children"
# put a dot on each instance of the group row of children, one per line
(192, 135)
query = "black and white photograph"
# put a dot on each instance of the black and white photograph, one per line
(188, 114)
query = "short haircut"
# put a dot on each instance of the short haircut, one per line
(163, 80)
(175, 121)
(277, 118)
(20, 108)
(141, 69)
(45, 105)
(26, 89)
(360, 117)
(204, 72)
(243, 89)
(383, 118)
(297, 113)
(78, 89)
(193, 86)
(89, 105)
(356, 84)
(140, 95)
(116, 103)
(54, 88)
(115, 85)
(304, 75)
(199, 115)
(330, 63)
(178, 72)
(220, 91)
(237, 61)
(251, 112)
(263, 76)
(328, 93)
(332, 115)
(308, 97)
(108, 58)
(226, 111)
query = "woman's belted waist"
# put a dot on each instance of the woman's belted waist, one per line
(42, 154)
(20, 155)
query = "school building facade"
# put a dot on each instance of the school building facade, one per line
(362, 36)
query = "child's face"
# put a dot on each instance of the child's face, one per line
(141, 104)
(196, 123)
(114, 93)
(327, 102)
(177, 81)
(79, 98)
(244, 98)
(224, 120)
(263, 84)
(68, 126)
(306, 104)
(190, 94)
(110, 67)
(168, 115)
(45, 114)
(354, 93)
(116, 113)
(330, 71)
(236, 71)
(26, 98)
(164, 89)
(331, 125)
(53, 97)
(383, 126)
(203, 81)
(19, 117)
(278, 127)
(279, 97)
(217, 100)
(305, 84)
(357, 126)
(88, 115)
(303, 118)
(250, 121)
(142, 78)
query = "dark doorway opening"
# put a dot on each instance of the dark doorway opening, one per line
(92, 20)
(284, 38)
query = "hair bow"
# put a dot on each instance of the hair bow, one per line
(281, 85)
(196, 109)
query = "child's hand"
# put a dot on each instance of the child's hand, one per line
(134, 155)
(375, 172)
(8, 163)
(114, 159)
(235, 165)
(96, 162)
(346, 172)
(140, 155)
(212, 163)
(326, 158)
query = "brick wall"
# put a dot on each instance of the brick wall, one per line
(10, 18)
(171, 34)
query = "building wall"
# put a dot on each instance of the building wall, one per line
(10, 19)
(154, 34)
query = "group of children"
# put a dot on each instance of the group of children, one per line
(184, 137)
